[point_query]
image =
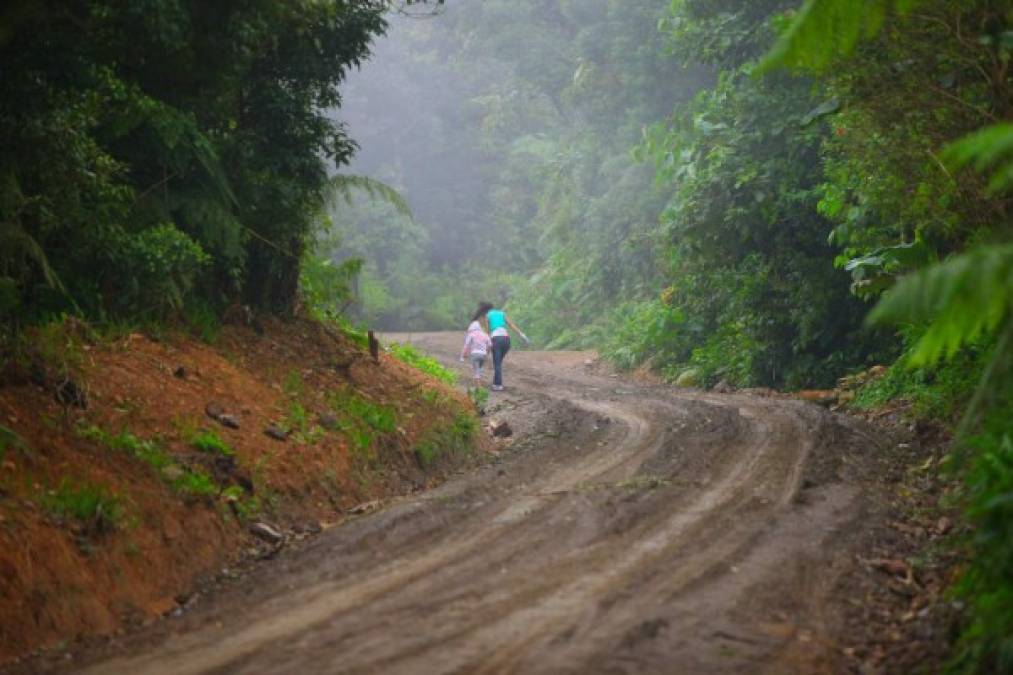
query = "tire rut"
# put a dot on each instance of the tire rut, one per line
(618, 550)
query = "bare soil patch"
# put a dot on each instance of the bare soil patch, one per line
(64, 578)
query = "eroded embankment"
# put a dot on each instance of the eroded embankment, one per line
(132, 468)
(630, 529)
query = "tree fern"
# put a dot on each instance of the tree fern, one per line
(962, 299)
(18, 247)
(345, 186)
(988, 149)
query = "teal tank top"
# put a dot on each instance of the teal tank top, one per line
(497, 319)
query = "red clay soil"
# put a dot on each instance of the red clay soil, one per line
(61, 579)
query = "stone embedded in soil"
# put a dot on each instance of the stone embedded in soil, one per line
(266, 532)
(180, 372)
(228, 421)
(500, 428)
(213, 410)
(328, 421)
(276, 432)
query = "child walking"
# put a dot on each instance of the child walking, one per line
(476, 344)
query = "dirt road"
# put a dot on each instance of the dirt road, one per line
(630, 528)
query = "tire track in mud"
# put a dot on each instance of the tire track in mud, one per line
(557, 570)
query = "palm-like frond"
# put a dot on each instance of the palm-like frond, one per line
(962, 299)
(17, 247)
(823, 30)
(345, 186)
(990, 148)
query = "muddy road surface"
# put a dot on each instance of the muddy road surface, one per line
(626, 528)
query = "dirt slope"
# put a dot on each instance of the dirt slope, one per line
(630, 529)
(173, 515)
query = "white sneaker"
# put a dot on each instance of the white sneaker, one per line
(497, 387)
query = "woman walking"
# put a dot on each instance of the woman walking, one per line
(497, 321)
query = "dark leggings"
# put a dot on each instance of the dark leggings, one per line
(500, 347)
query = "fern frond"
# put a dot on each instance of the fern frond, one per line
(345, 187)
(963, 298)
(824, 30)
(17, 246)
(988, 148)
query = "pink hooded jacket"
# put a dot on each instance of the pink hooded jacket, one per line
(477, 342)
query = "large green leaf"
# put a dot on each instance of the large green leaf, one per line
(962, 299)
(824, 30)
(989, 148)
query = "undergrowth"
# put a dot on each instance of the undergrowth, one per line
(447, 440)
(181, 479)
(91, 504)
(427, 364)
(362, 422)
(211, 443)
(934, 392)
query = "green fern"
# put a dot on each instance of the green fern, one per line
(963, 299)
(989, 148)
(345, 186)
(824, 30)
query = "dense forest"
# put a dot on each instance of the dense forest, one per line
(754, 192)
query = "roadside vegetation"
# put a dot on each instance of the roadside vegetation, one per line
(760, 193)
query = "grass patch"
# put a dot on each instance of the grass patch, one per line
(479, 396)
(202, 320)
(447, 440)
(246, 507)
(211, 443)
(181, 479)
(934, 393)
(91, 504)
(293, 384)
(194, 482)
(11, 439)
(427, 364)
(355, 408)
(362, 422)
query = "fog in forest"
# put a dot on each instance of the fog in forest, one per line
(503, 127)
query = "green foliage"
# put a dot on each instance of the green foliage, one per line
(963, 299)
(211, 443)
(156, 157)
(990, 148)
(11, 439)
(91, 504)
(202, 319)
(362, 421)
(346, 186)
(940, 392)
(195, 482)
(447, 440)
(823, 31)
(894, 160)
(479, 396)
(986, 643)
(427, 364)
(181, 479)
(247, 506)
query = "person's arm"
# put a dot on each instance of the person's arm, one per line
(519, 331)
(464, 349)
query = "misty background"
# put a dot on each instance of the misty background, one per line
(508, 128)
